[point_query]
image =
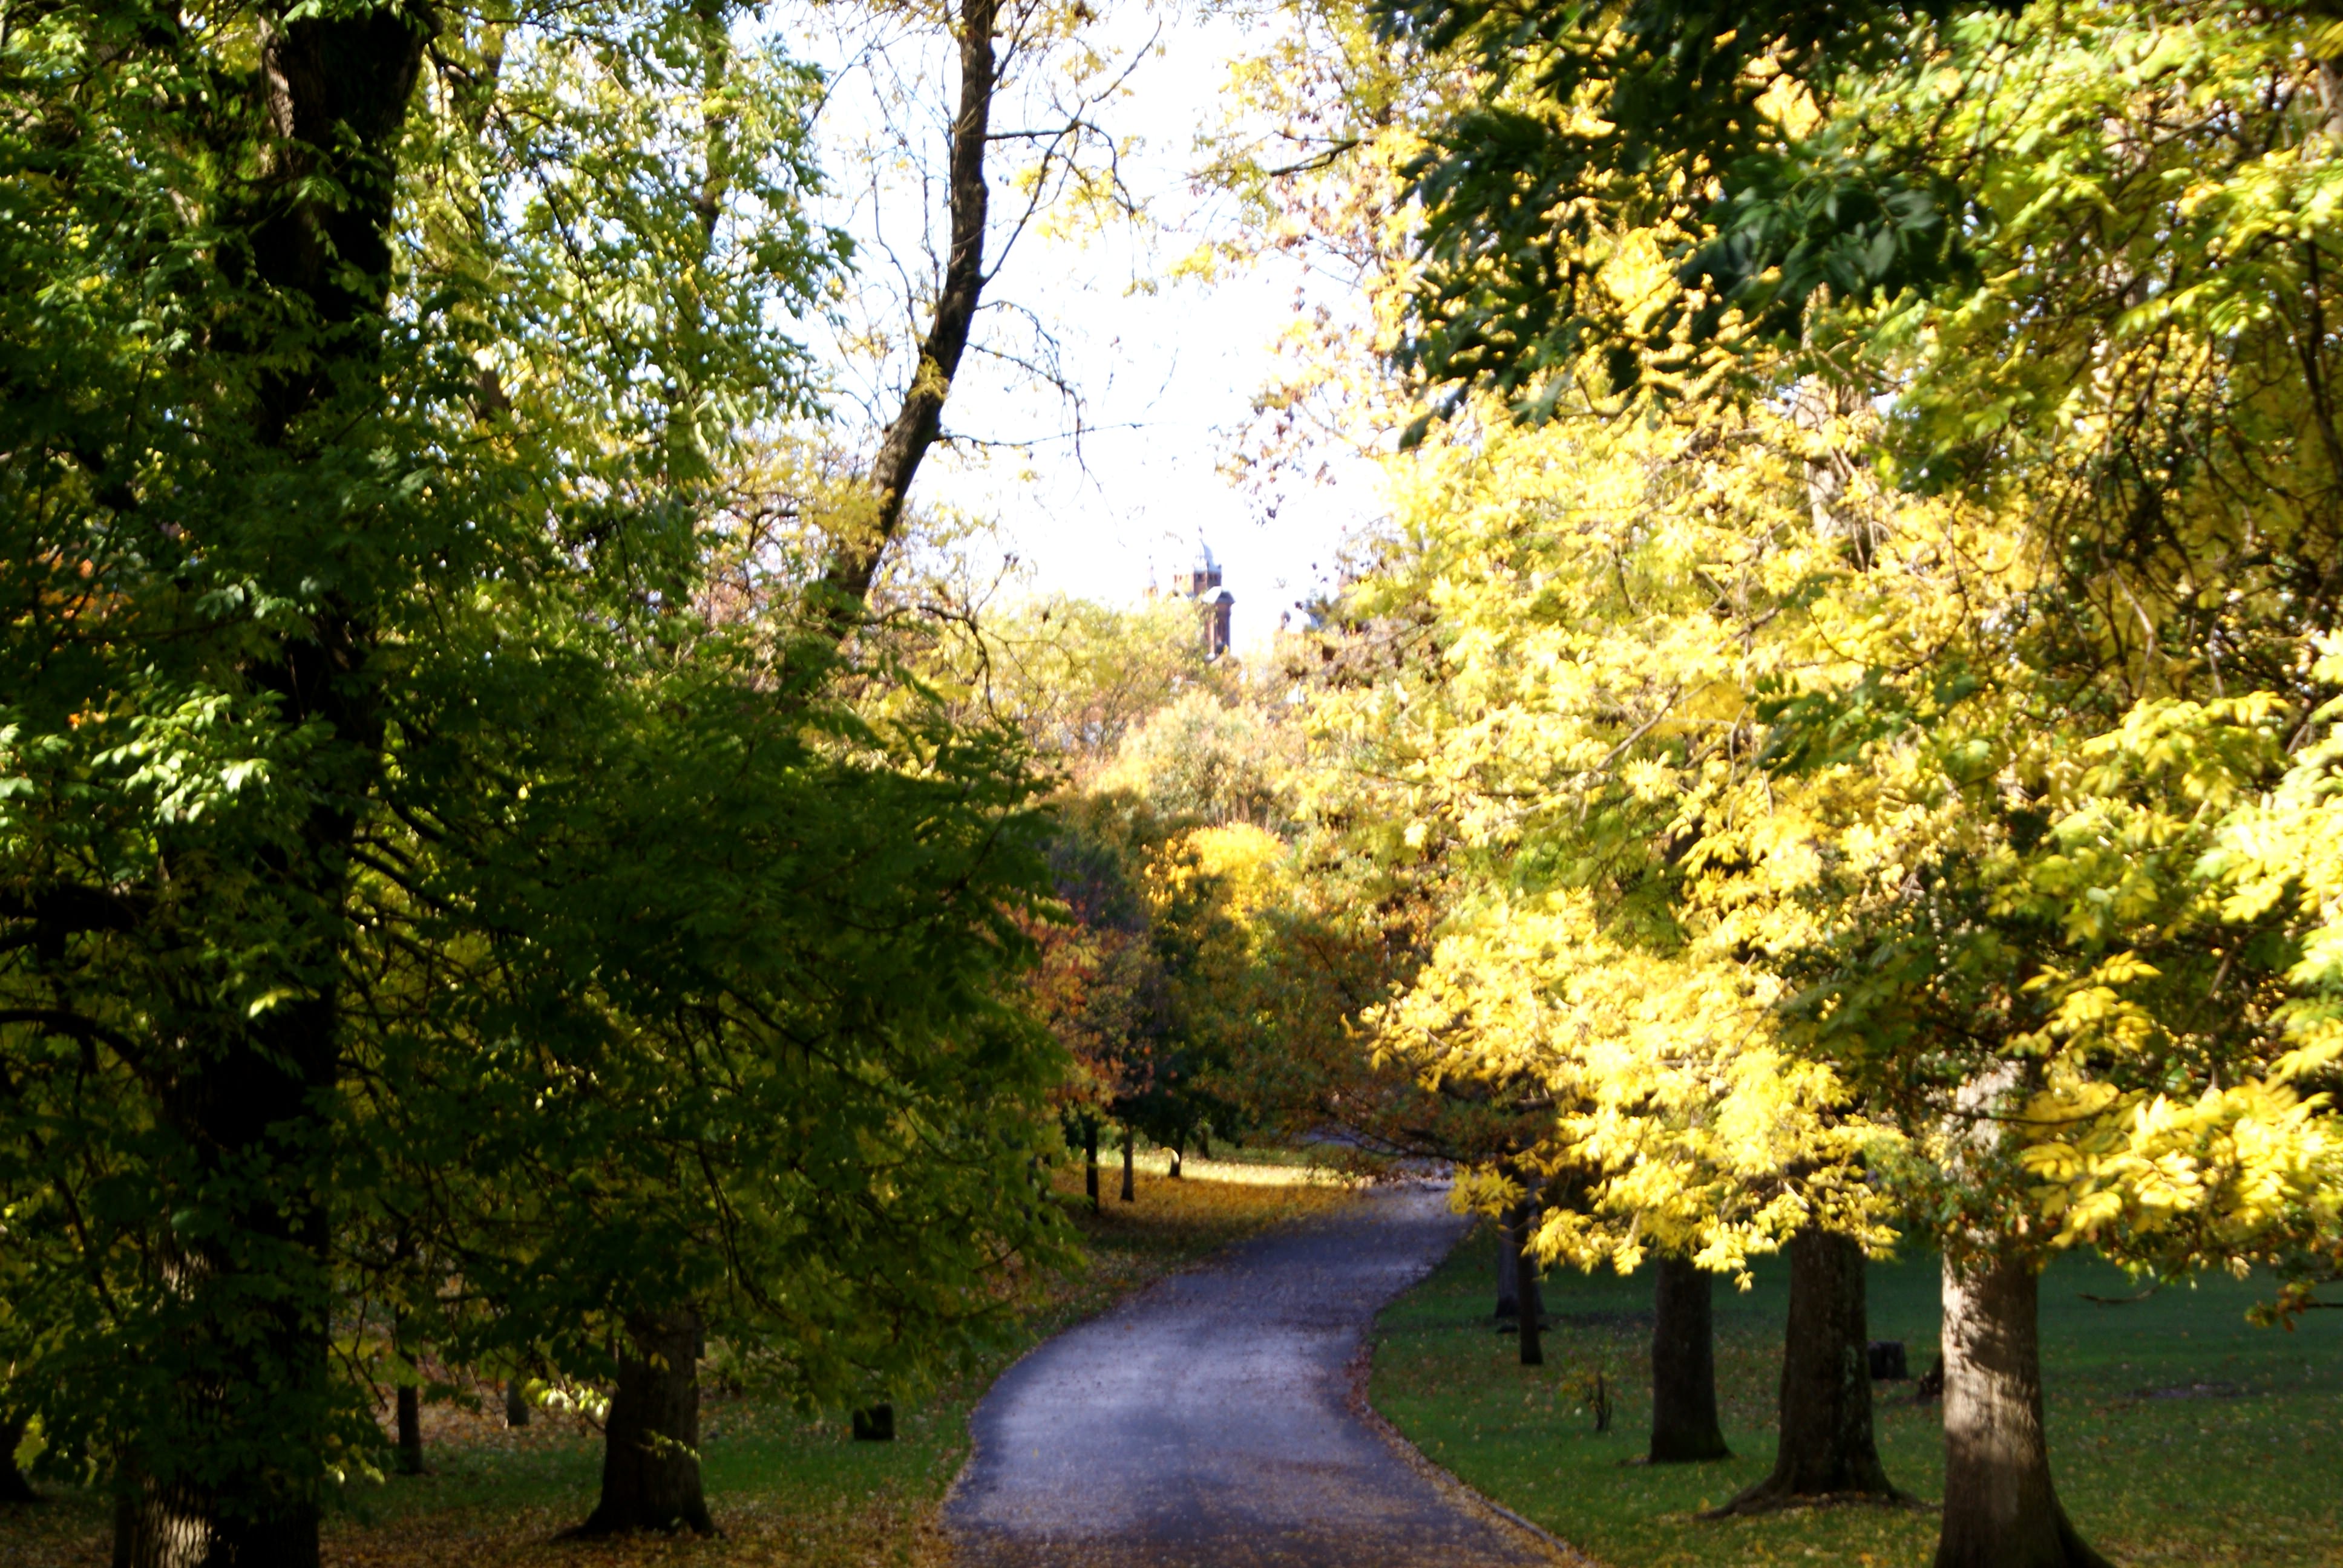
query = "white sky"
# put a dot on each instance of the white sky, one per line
(1166, 377)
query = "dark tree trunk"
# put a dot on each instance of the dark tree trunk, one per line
(651, 1450)
(410, 1430)
(1826, 1449)
(1090, 1161)
(1529, 1301)
(2000, 1508)
(1175, 1162)
(920, 418)
(180, 1525)
(1509, 1277)
(1684, 1367)
(516, 1410)
(14, 1487)
(160, 1526)
(205, 1484)
(1129, 1182)
(1204, 1144)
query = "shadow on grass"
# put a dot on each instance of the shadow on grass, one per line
(2180, 1433)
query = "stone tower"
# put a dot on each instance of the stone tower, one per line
(1203, 580)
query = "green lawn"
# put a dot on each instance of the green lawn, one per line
(2180, 1433)
(787, 1491)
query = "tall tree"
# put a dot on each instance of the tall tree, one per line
(208, 533)
(388, 848)
(1041, 65)
(1826, 1447)
(2074, 382)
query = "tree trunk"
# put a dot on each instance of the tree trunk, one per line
(1684, 1367)
(250, 1345)
(224, 1472)
(2000, 1508)
(1129, 1184)
(410, 1430)
(161, 1526)
(517, 1412)
(1826, 1448)
(1529, 1302)
(854, 563)
(651, 1450)
(1090, 1161)
(14, 1487)
(1509, 1277)
(1175, 1162)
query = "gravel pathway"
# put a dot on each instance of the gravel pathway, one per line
(1207, 1422)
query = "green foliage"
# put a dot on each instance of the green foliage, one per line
(712, 1012)
(418, 920)
(1077, 678)
(1205, 761)
(1695, 123)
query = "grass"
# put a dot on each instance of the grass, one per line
(787, 1491)
(2179, 1433)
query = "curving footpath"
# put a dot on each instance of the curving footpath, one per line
(1207, 1422)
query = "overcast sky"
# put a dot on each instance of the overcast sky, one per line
(1166, 377)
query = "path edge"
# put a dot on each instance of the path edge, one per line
(952, 1491)
(1361, 1366)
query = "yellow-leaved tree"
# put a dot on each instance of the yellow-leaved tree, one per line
(1892, 654)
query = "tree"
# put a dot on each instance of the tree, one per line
(738, 1056)
(1702, 127)
(1562, 591)
(1203, 760)
(1684, 1367)
(2009, 958)
(14, 1487)
(414, 905)
(1039, 58)
(1079, 679)
(1826, 1448)
(195, 718)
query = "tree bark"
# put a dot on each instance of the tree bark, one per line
(1826, 1448)
(211, 1479)
(410, 1430)
(1175, 1163)
(1130, 1181)
(517, 1412)
(1509, 1279)
(161, 1526)
(1090, 1161)
(1528, 1300)
(14, 1487)
(1684, 1367)
(651, 1450)
(854, 562)
(2000, 1508)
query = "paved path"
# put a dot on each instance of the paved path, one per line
(1205, 1423)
